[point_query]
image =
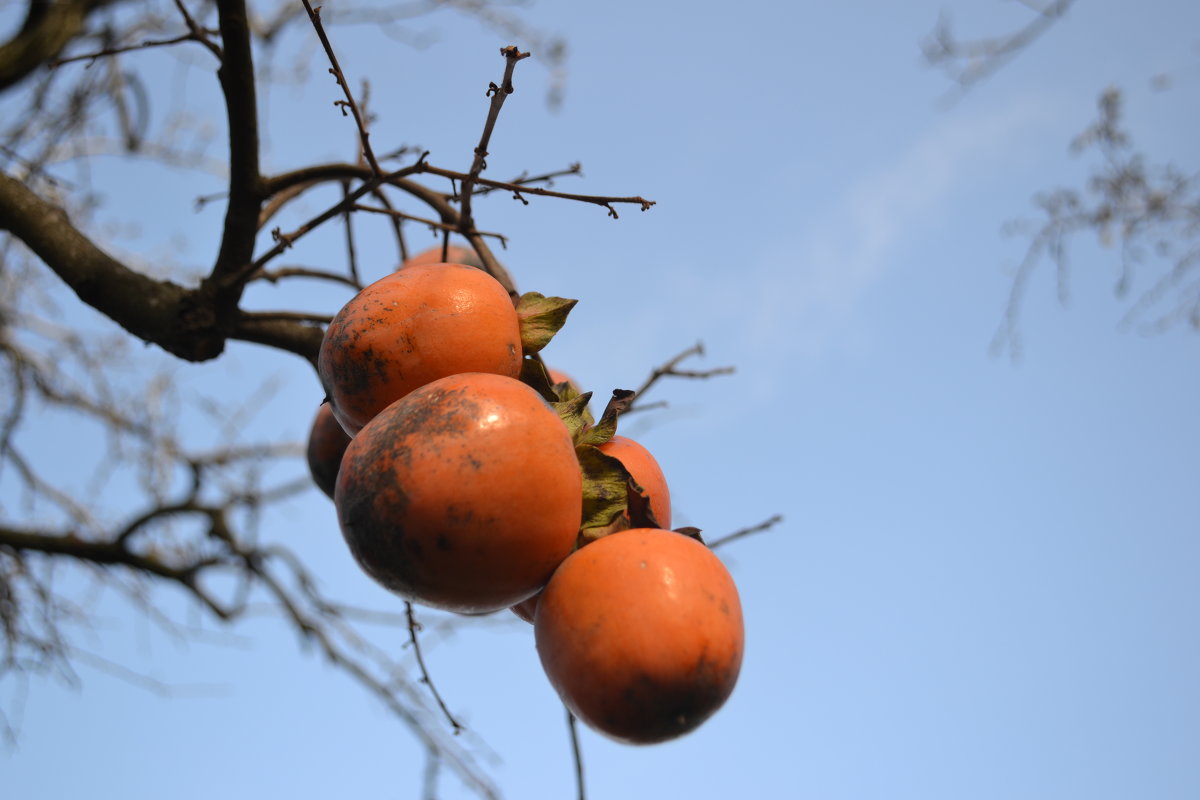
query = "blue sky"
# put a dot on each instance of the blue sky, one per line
(986, 582)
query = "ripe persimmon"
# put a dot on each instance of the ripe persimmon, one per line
(326, 444)
(645, 470)
(464, 495)
(640, 633)
(558, 376)
(455, 254)
(412, 327)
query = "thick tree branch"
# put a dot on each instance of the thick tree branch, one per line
(161, 312)
(245, 183)
(182, 321)
(297, 337)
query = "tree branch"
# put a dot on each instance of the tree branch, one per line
(182, 321)
(49, 27)
(161, 312)
(245, 183)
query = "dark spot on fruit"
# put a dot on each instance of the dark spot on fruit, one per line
(460, 517)
(443, 543)
(651, 709)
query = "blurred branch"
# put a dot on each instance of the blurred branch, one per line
(50, 25)
(196, 33)
(969, 61)
(196, 535)
(1150, 211)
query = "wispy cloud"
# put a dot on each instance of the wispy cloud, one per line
(810, 282)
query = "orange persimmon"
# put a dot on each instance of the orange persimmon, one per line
(641, 634)
(464, 495)
(412, 327)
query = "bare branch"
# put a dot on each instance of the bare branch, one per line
(519, 190)
(245, 197)
(48, 28)
(349, 103)
(276, 275)
(576, 756)
(499, 94)
(413, 627)
(744, 532)
(968, 62)
(671, 369)
(1152, 211)
(154, 311)
(435, 225)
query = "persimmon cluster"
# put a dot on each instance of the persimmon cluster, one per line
(470, 478)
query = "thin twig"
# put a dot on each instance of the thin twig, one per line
(524, 180)
(114, 51)
(425, 679)
(672, 368)
(434, 224)
(288, 316)
(285, 240)
(397, 227)
(739, 534)
(276, 275)
(349, 103)
(499, 94)
(351, 254)
(577, 754)
(519, 190)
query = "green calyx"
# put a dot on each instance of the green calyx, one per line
(540, 318)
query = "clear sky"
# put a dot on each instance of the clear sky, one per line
(987, 584)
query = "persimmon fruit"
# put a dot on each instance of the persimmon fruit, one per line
(454, 254)
(326, 444)
(412, 327)
(464, 495)
(558, 376)
(640, 633)
(645, 470)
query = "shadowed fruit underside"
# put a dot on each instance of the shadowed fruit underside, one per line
(326, 444)
(463, 495)
(641, 634)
